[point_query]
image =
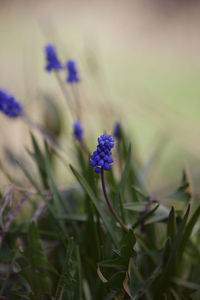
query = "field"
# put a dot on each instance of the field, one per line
(131, 232)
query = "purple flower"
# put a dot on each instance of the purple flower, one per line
(117, 130)
(78, 130)
(72, 71)
(101, 157)
(9, 106)
(53, 62)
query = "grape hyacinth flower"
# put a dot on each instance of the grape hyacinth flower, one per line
(78, 131)
(9, 105)
(53, 62)
(100, 159)
(72, 71)
(117, 130)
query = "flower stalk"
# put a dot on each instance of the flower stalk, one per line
(76, 96)
(64, 91)
(109, 203)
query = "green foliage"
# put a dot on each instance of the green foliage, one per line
(72, 246)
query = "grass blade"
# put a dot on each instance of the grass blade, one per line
(122, 183)
(79, 277)
(86, 290)
(188, 231)
(8, 274)
(95, 201)
(65, 281)
(170, 265)
(49, 206)
(145, 217)
(171, 225)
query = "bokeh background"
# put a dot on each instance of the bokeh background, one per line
(139, 62)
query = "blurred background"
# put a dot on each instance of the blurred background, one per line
(139, 63)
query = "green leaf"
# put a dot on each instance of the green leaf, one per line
(116, 281)
(95, 201)
(121, 257)
(195, 295)
(8, 273)
(183, 192)
(169, 269)
(142, 287)
(119, 262)
(171, 225)
(34, 251)
(40, 193)
(34, 183)
(188, 231)
(186, 284)
(74, 217)
(21, 295)
(123, 181)
(59, 201)
(66, 282)
(174, 294)
(57, 197)
(140, 193)
(133, 178)
(112, 263)
(145, 216)
(160, 215)
(167, 251)
(81, 158)
(79, 275)
(36, 272)
(136, 206)
(127, 245)
(39, 159)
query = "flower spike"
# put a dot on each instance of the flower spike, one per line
(9, 105)
(53, 62)
(72, 71)
(117, 130)
(100, 159)
(78, 131)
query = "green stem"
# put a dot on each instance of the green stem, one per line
(64, 91)
(75, 93)
(109, 203)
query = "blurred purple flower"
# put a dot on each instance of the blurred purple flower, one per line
(78, 130)
(9, 106)
(53, 62)
(72, 71)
